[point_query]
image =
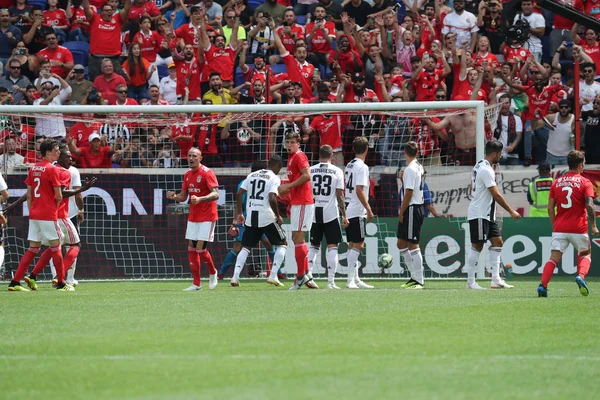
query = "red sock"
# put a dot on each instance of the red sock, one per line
(194, 260)
(548, 271)
(301, 253)
(583, 266)
(206, 258)
(42, 262)
(25, 262)
(57, 258)
(70, 257)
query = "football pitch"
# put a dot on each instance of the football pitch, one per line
(150, 340)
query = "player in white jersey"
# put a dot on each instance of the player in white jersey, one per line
(328, 192)
(482, 217)
(262, 217)
(358, 209)
(410, 217)
(3, 221)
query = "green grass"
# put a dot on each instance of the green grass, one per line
(149, 340)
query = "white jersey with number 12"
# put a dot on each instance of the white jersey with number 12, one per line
(259, 185)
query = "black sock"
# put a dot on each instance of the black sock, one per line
(32, 276)
(13, 283)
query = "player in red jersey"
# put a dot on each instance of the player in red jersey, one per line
(43, 198)
(573, 197)
(201, 186)
(303, 206)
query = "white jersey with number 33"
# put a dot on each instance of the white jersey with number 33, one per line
(357, 173)
(482, 205)
(326, 179)
(259, 185)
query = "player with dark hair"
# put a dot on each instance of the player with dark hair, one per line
(571, 211)
(358, 209)
(262, 217)
(410, 216)
(482, 217)
(201, 186)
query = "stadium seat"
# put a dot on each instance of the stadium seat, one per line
(301, 19)
(545, 47)
(39, 3)
(79, 57)
(239, 77)
(255, 3)
(278, 69)
(163, 71)
(83, 47)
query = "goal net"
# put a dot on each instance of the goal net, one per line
(138, 154)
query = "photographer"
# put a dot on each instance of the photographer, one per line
(166, 158)
(79, 85)
(52, 125)
(15, 82)
(537, 26)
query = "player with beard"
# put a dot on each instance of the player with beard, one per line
(188, 75)
(259, 72)
(221, 58)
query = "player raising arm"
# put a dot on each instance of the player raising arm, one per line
(482, 217)
(262, 212)
(571, 210)
(200, 184)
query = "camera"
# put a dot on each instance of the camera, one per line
(518, 33)
(21, 52)
(93, 96)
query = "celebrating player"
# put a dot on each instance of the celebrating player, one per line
(200, 184)
(43, 198)
(411, 217)
(572, 195)
(302, 202)
(262, 212)
(328, 191)
(482, 217)
(358, 209)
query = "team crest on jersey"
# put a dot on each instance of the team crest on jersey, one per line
(243, 136)
(522, 53)
(198, 179)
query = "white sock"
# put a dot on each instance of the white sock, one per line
(52, 269)
(408, 261)
(352, 258)
(332, 263)
(417, 259)
(277, 260)
(494, 261)
(312, 254)
(71, 272)
(240, 262)
(471, 267)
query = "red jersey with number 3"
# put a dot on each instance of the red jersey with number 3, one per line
(199, 183)
(299, 194)
(43, 177)
(569, 191)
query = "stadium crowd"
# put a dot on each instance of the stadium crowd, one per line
(165, 52)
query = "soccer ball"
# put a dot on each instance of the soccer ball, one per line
(385, 261)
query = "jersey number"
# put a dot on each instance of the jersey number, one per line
(569, 191)
(349, 184)
(36, 189)
(321, 185)
(258, 187)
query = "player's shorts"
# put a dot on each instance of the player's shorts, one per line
(43, 231)
(241, 229)
(204, 231)
(410, 227)
(355, 232)
(482, 230)
(302, 217)
(331, 230)
(253, 235)
(69, 234)
(560, 241)
(75, 222)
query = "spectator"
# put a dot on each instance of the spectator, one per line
(217, 94)
(302, 7)
(141, 8)
(509, 130)
(563, 29)
(272, 8)
(30, 95)
(60, 57)
(427, 79)
(537, 26)
(107, 83)
(166, 158)
(358, 10)
(137, 71)
(320, 35)
(151, 43)
(180, 15)
(188, 75)
(183, 134)
(591, 139)
(590, 45)
(5, 98)
(287, 97)
(134, 155)
(15, 82)
(261, 38)
(168, 85)
(45, 74)
(290, 31)
(243, 142)
(80, 131)
(489, 21)
(52, 125)
(232, 16)
(483, 53)
(105, 36)
(154, 97)
(10, 160)
(80, 24)
(220, 57)
(20, 14)
(245, 11)
(559, 140)
(589, 89)
(214, 11)
(189, 33)
(122, 97)
(10, 35)
(21, 54)
(98, 155)
(333, 10)
(56, 18)
(79, 85)
(35, 38)
(329, 129)
(463, 24)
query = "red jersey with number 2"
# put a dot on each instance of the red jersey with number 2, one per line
(300, 194)
(43, 177)
(199, 183)
(569, 191)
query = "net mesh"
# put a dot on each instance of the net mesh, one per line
(131, 230)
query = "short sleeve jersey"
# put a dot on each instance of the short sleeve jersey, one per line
(357, 174)
(259, 185)
(483, 205)
(63, 208)
(75, 183)
(413, 180)
(43, 177)
(569, 191)
(199, 183)
(300, 194)
(326, 179)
